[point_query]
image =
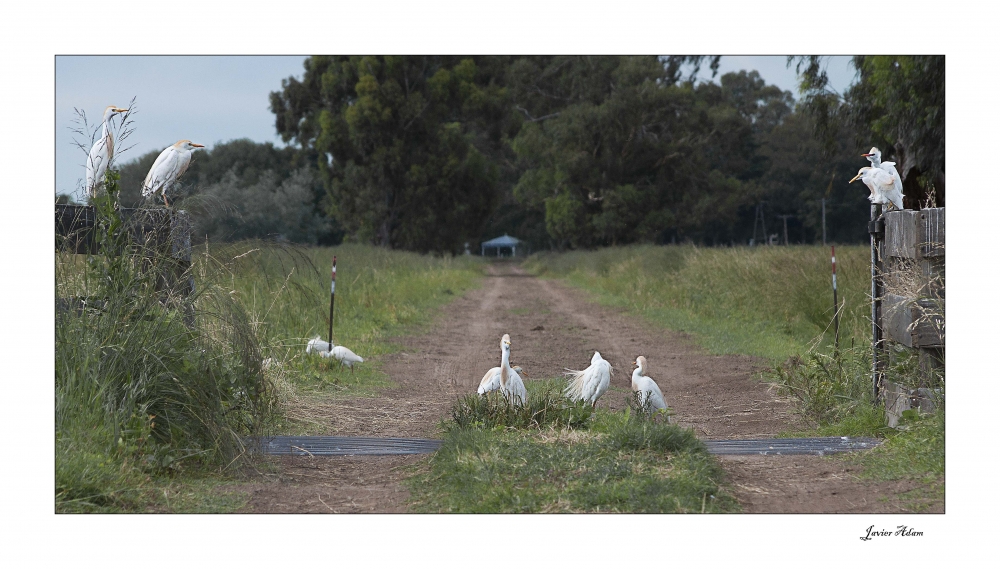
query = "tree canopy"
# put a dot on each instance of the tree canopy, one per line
(428, 153)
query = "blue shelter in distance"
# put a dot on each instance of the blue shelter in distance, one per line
(503, 242)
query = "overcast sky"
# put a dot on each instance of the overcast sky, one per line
(211, 99)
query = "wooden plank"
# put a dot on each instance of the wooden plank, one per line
(898, 399)
(897, 318)
(901, 234)
(930, 232)
(927, 314)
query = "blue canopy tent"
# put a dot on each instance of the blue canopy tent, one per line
(503, 242)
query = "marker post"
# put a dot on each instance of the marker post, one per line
(836, 312)
(333, 288)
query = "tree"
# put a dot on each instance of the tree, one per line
(897, 104)
(402, 144)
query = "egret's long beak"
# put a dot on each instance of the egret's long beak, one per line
(197, 145)
(121, 110)
(867, 155)
(854, 178)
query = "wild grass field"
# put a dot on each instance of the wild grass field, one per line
(775, 303)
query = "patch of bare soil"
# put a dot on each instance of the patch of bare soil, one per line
(553, 327)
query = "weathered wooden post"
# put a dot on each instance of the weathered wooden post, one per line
(914, 304)
(162, 236)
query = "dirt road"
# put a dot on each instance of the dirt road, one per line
(553, 327)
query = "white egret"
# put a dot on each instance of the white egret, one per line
(491, 381)
(875, 157)
(646, 387)
(344, 356)
(511, 385)
(317, 345)
(101, 153)
(882, 186)
(589, 384)
(169, 165)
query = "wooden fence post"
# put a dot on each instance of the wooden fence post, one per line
(161, 234)
(914, 317)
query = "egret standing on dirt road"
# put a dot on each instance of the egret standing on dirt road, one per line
(646, 387)
(590, 384)
(101, 153)
(511, 385)
(169, 165)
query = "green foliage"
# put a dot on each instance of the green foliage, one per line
(830, 387)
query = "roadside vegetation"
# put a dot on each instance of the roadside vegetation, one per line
(776, 303)
(555, 456)
(155, 391)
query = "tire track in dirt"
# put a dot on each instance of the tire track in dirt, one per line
(553, 327)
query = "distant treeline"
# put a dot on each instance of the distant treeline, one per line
(429, 152)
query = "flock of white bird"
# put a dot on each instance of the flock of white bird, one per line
(582, 385)
(168, 167)
(882, 179)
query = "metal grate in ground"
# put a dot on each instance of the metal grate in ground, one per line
(819, 446)
(341, 446)
(338, 446)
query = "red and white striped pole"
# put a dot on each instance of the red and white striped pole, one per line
(333, 289)
(836, 312)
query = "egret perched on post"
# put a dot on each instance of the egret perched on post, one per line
(589, 384)
(882, 186)
(646, 387)
(101, 153)
(875, 157)
(169, 165)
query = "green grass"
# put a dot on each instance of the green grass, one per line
(609, 462)
(770, 302)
